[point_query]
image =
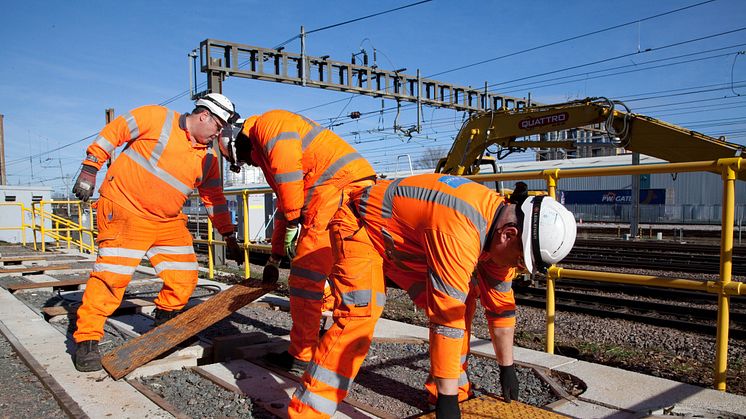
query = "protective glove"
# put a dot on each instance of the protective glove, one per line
(291, 240)
(271, 272)
(446, 407)
(509, 382)
(86, 182)
(232, 250)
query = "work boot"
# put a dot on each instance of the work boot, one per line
(87, 356)
(162, 316)
(287, 362)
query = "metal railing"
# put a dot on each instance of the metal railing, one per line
(62, 228)
(724, 288)
(23, 212)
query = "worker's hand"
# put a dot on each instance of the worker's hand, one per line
(509, 382)
(86, 182)
(271, 272)
(446, 407)
(291, 240)
(232, 250)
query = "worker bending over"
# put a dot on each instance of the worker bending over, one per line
(165, 156)
(307, 166)
(446, 241)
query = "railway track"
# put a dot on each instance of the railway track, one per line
(695, 311)
(656, 255)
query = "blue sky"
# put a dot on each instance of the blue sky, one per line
(63, 63)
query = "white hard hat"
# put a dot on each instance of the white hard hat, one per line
(549, 232)
(227, 144)
(219, 106)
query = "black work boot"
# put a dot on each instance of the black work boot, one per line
(287, 362)
(87, 356)
(162, 316)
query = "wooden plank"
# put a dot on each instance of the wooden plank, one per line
(46, 284)
(129, 304)
(48, 257)
(145, 348)
(21, 258)
(35, 269)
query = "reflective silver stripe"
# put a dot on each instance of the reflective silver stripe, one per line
(117, 269)
(311, 135)
(132, 125)
(207, 163)
(105, 144)
(175, 266)
(463, 379)
(319, 403)
(151, 165)
(330, 172)
(437, 283)
(307, 273)
(463, 359)
(362, 205)
(504, 286)
(120, 252)
(380, 299)
(158, 172)
(449, 332)
(357, 298)
(388, 199)
(295, 176)
(217, 209)
(306, 294)
(211, 183)
(155, 155)
(504, 315)
(416, 290)
(447, 200)
(280, 137)
(170, 250)
(329, 377)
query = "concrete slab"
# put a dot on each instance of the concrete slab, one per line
(582, 409)
(272, 390)
(52, 350)
(642, 394)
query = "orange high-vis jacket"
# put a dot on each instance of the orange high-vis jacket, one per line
(297, 155)
(159, 167)
(432, 231)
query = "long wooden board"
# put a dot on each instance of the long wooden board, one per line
(129, 304)
(35, 269)
(47, 284)
(147, 347)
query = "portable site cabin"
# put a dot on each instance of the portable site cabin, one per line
(14, 200)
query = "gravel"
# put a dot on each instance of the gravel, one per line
(23, 395)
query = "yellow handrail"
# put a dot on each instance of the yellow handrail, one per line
(724, 287)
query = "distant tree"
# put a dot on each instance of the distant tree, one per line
(429, 158)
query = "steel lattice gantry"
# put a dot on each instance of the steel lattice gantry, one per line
(220, 59)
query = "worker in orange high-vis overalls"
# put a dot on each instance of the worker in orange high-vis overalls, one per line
(447, 241)
(165, 157)
(307, 166)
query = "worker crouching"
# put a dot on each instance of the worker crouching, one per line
(446, 241)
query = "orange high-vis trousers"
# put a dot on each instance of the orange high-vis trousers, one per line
(123, 240)
(360, 295)
(309, 295)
